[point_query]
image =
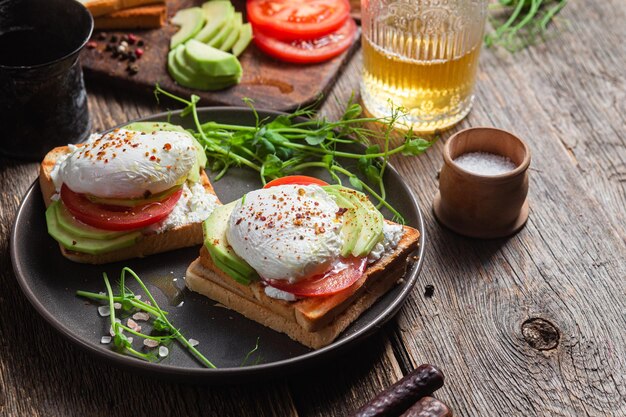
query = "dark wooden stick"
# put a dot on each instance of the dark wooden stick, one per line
(418, 383)
(428, 407)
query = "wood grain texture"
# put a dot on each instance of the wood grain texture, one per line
(566, 99)
(272, 84)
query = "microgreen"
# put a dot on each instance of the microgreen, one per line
(520, 23)
(130, 303)
(293, 142)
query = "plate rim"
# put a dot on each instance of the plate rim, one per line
(127, 362)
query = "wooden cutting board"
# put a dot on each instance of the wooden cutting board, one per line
(272, 84)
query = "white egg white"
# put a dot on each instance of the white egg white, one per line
(127, 164)
(287, 232)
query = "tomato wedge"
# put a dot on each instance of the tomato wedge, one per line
(297, 19)
(308, 51)
(295, 179)
(344, 274)
(117, 217)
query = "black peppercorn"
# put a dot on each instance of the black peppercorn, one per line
(102, 36)
(113, 38)
(140, 42)
(132, 69)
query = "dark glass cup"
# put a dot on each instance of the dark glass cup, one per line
(43, 102)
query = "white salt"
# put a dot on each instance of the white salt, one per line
(105, 340)
(163, 351)
(484, 163)
(193, 342)
(104, 311)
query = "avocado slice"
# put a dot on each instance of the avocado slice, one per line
(201, 159)
(363, 223)
(216, 13)
(215, 227)
(69, 224)
(190, 21)
(245, 36)
(84, 244)
(134, 202)
(191, 79)
(232, 37)
(218, 39)
(211, 61)
(183, 63)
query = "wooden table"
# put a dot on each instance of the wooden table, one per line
(567, 99)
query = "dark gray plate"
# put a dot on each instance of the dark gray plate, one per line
(49, 281)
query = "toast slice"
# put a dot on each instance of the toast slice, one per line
(102, 7)
(151, 16)
(314, 321)
(175, 238)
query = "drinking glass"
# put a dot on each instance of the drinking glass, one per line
(421, 55)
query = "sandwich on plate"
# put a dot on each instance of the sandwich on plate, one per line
(128, 193)
(300, 256)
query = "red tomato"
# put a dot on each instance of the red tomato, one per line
(308, 51)
(117, 217)
(295, 179)
(297, 19)
(346, 273)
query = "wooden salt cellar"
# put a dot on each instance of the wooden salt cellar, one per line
(483, 206)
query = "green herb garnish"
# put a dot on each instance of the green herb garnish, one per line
(131, 304)
(283, 146)
(520, 23)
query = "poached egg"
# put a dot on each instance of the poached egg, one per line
(126, 164)
(287, 232)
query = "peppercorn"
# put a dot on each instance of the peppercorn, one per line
(113, 38)
(132, 56)
(115, 54)
(102, 36)
(132, 69)
(124, 38)
(92, 44)
(139, 52)
(132, 38)
(109, 47)
(140, 42)
(124, 44)
(121, 48)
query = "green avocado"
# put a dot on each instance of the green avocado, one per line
(207, 60)
(70, 225)
(190, 21)
(77, 243)
(189, 77)
(227, 29)
(215, 227)
(362, 223)
(232, 37)
(217, 13)
(148, 127)
(245, 36)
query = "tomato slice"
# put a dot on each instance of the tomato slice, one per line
(297, 19)
(295, 179)
(308, 51)
(117, 217)
(344, 274)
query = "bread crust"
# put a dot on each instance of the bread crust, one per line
(175, 238)
(142, 17)
(102, 7)
(314, 321)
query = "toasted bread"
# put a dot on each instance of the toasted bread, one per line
(143, 17)
(175, 238)
(102, 7)
(314, 321)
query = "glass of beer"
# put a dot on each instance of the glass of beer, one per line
(421, 55)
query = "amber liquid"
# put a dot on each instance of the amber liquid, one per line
(432, 81)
